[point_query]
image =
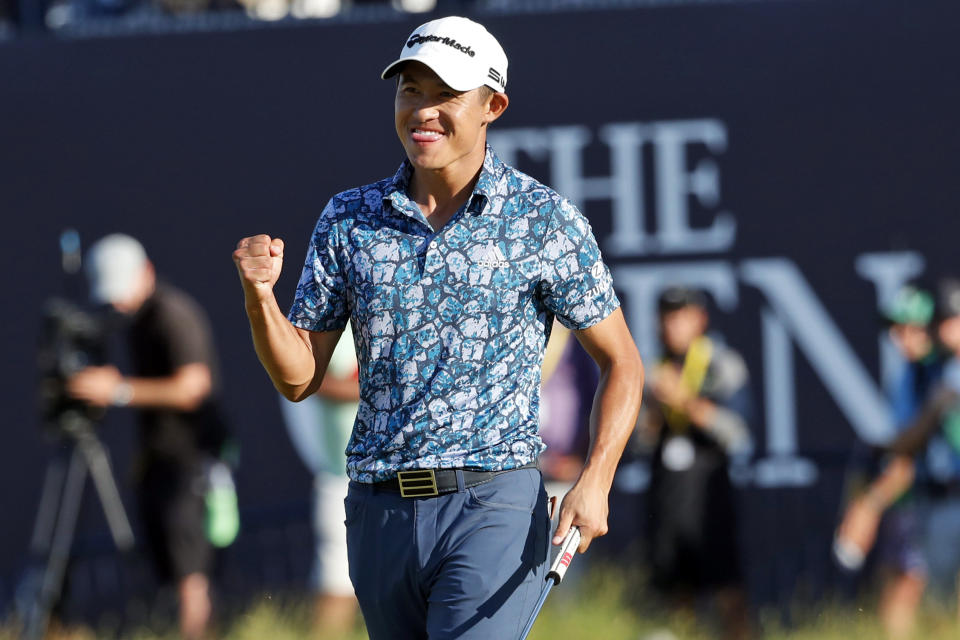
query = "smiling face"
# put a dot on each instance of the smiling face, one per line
(442, 129)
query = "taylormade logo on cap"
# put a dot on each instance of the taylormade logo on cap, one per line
(416, 39)
(460, 51)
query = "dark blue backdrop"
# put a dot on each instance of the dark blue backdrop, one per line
(839, 139)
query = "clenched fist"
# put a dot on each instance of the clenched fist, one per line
(259, 260)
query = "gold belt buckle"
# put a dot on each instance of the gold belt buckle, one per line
(418, 483)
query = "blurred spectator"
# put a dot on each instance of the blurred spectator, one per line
(900, 545)
(933, 440)
(320, 428)
(175, 388)
(182, 7)
(931, 446)
(60, 13)
(277, 9)
(698, 411)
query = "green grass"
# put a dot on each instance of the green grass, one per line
(596, 609)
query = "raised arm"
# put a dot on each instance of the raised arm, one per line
(612, 419)
(912, 440)
(295, 359)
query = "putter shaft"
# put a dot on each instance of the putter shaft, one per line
(557, 570)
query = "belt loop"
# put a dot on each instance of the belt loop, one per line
(460, 484)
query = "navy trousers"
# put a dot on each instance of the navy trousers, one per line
(468, 565)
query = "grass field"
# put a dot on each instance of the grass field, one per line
(599, 613)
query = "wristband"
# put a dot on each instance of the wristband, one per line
(122, 394)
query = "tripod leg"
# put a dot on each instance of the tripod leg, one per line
(52, 581)
(50, 496)
(28, 589)
(99, 464)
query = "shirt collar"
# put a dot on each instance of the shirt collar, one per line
(486, 186)
(396, 192)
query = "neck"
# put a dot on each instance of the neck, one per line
(440, 192)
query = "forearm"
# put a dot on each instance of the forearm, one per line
(161, 393)
(916, 436)
(892, 483)
(613, 417)
(183, 390)
(284, 353)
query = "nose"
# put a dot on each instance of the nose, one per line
(426, 110)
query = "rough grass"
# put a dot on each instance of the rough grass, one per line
(594, 609)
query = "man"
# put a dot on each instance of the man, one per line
(451, 273)
(320, 428)
(902, 559)
(175, 389)
(926, 456)
(700, 418)
(933, 441)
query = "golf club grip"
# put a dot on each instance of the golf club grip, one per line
(565, 555)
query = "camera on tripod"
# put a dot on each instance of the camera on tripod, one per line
(71, 340)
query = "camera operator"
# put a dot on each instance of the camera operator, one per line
(174, 390)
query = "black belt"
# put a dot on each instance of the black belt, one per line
(427, 483)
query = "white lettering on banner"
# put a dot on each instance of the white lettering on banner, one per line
(818, 337)
(792, 316)
(674, 184)
(781, 466)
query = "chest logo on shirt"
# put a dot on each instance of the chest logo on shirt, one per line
(493, 258)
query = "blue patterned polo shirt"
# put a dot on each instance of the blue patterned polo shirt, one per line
(450, 325)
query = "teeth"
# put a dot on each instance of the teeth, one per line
(435, 134)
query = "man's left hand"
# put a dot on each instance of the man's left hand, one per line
(585, 506)
(95, 385)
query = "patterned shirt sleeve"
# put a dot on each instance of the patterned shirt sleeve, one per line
(320, 303)
(576, 285)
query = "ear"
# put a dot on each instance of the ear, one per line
(496, 104)
(149, 276)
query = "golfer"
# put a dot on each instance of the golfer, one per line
(451, 272)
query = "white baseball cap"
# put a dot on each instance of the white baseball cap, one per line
(460, 51)
(114, 266)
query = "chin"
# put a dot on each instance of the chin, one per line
(426, 161)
